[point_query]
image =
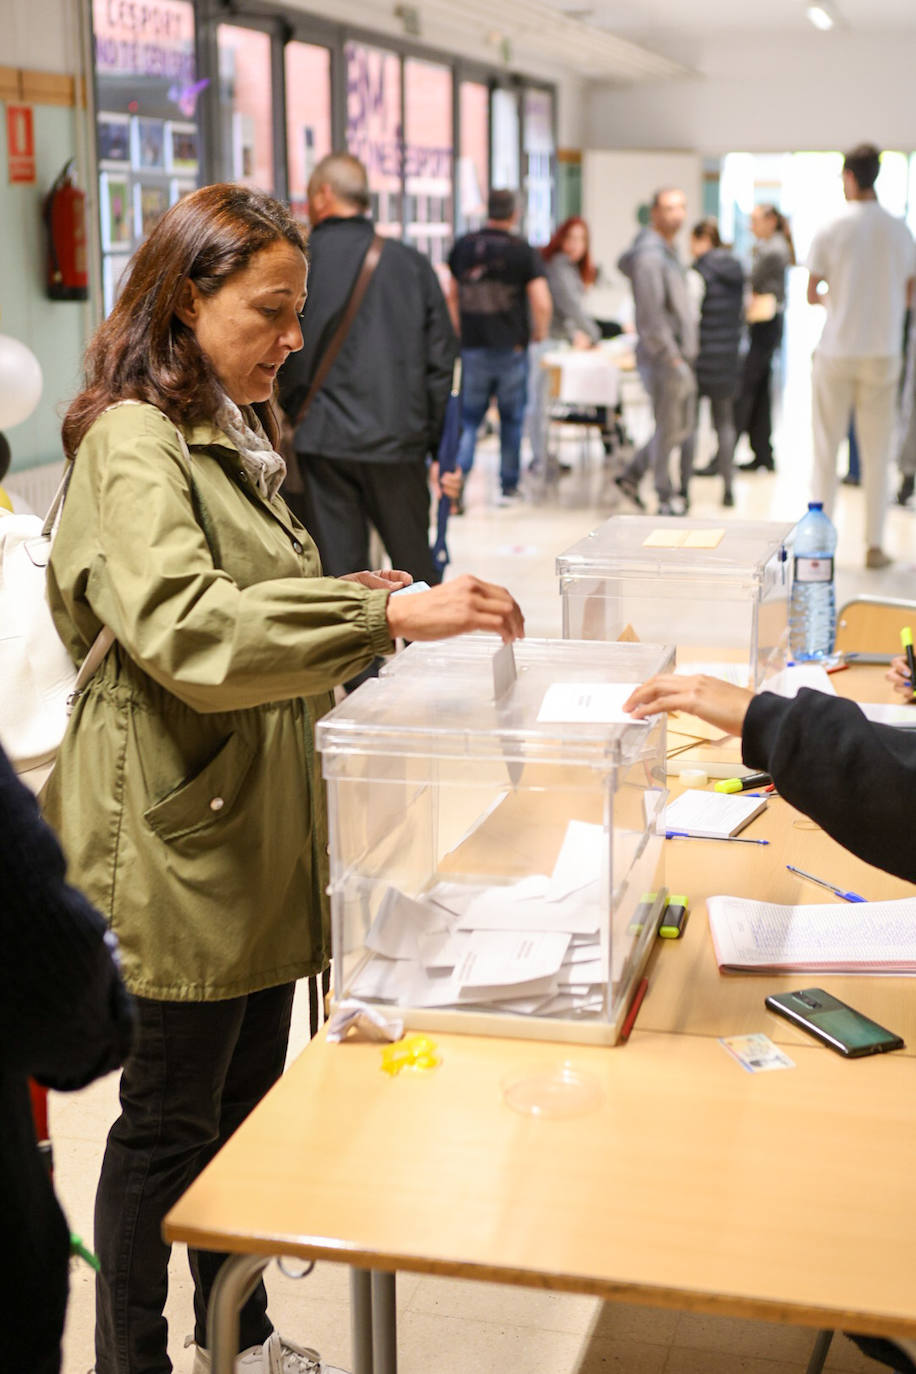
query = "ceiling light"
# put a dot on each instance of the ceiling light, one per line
(820, 16)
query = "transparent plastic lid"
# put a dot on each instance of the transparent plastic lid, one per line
(439, 700)
(663, 546)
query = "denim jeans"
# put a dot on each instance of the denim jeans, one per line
(485, 373)
(723, 420)
(673, 393)
(195, 1072)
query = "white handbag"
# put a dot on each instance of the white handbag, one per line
(38, 681)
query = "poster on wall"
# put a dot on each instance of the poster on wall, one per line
(147, 130)
(150, 203)
(181, 149)
(114, 140)
(115, 211)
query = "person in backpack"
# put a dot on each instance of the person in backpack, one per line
(65, 1019)
(186, 791)
(717, 280)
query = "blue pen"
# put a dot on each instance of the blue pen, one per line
(728, 839)
(837, 891)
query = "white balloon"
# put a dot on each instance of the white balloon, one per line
(20, 382)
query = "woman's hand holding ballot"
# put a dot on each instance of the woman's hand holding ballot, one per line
(719, 703)
(456, 607)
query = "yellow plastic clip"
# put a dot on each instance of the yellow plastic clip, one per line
(417, 1052)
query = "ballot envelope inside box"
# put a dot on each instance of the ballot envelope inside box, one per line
(496, 861)
(719, 590)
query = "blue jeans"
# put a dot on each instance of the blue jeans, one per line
(485, 373)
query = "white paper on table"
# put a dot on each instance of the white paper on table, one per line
(715, 814)
(398, 924)
(866, 937)
(521, 1006)
(495, 909)
(895, 713)
(590, 703)
(503, 958)
(535, 886)
(572, 1004)
(582, 858)
(790, 681)
(735, 673)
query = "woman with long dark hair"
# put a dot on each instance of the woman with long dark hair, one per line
(774, 252)
(186, 791)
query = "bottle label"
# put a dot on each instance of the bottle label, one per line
(813, 569)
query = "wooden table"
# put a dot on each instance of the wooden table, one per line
(786, 1196)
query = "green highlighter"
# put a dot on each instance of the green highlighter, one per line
(674, 917)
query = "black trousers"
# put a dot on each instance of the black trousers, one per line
(195, 1072)
(753, 406)
(340, 499)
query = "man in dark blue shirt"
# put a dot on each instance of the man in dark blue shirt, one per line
(499, 291)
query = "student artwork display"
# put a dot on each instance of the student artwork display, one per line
(182, 154)
(114, 140)
(115, 209)
(148, 146)
(150, 203)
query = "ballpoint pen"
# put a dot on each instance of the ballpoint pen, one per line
(837, 891)
(728, 839)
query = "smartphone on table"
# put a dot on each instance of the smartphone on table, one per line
(841, 1027)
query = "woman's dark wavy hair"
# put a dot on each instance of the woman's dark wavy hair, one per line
(143, 351)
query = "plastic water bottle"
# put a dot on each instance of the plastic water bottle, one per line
(812, 609)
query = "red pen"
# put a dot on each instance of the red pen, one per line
(631, 1015)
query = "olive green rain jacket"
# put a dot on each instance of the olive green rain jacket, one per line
(186, 791)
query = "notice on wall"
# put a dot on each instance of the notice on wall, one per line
(20, 145)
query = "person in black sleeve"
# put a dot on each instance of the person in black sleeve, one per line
(856, 779)
(500, 292)
(363, 446)
(65, 1019)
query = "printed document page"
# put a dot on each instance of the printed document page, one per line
(836, 937)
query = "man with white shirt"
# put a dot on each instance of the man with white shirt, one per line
(867, 260)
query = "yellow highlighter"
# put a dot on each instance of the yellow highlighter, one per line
(673, 918)
(906, 639)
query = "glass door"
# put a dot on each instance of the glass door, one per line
(428, 157)
(246, 106)
(308, 117)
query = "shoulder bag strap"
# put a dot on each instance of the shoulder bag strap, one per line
(369, 264)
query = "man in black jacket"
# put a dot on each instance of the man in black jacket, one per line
(65, 1019)
(362, 448)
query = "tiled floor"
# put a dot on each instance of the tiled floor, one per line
(456, 1327)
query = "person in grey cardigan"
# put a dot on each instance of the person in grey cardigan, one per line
(666, 326)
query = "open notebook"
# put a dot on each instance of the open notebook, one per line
(829, 937)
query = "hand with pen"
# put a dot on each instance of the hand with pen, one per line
(719, 703)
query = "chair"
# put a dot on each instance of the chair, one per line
(871, 625)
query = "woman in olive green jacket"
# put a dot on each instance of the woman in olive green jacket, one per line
(186, 791)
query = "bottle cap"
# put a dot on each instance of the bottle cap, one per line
(815, 505)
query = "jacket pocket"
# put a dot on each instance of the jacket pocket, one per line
(207, 798)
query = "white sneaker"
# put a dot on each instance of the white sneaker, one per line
(276, 1356)
(510, 498)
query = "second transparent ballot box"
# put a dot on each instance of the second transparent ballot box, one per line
(718, 590)
(496, 836)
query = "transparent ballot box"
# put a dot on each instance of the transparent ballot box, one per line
(718, 590)
(495, 836)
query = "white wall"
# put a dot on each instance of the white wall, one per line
(614, 185)
(768, 93)
(41, 35)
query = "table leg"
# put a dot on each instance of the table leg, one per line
(232, 1287)
(819, 1353)
(384, 1324)
(361, 1320)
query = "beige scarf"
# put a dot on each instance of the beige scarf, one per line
(265, 467)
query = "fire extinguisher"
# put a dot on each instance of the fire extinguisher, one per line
(65, 222)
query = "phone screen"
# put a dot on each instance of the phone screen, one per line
(818, 1011)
